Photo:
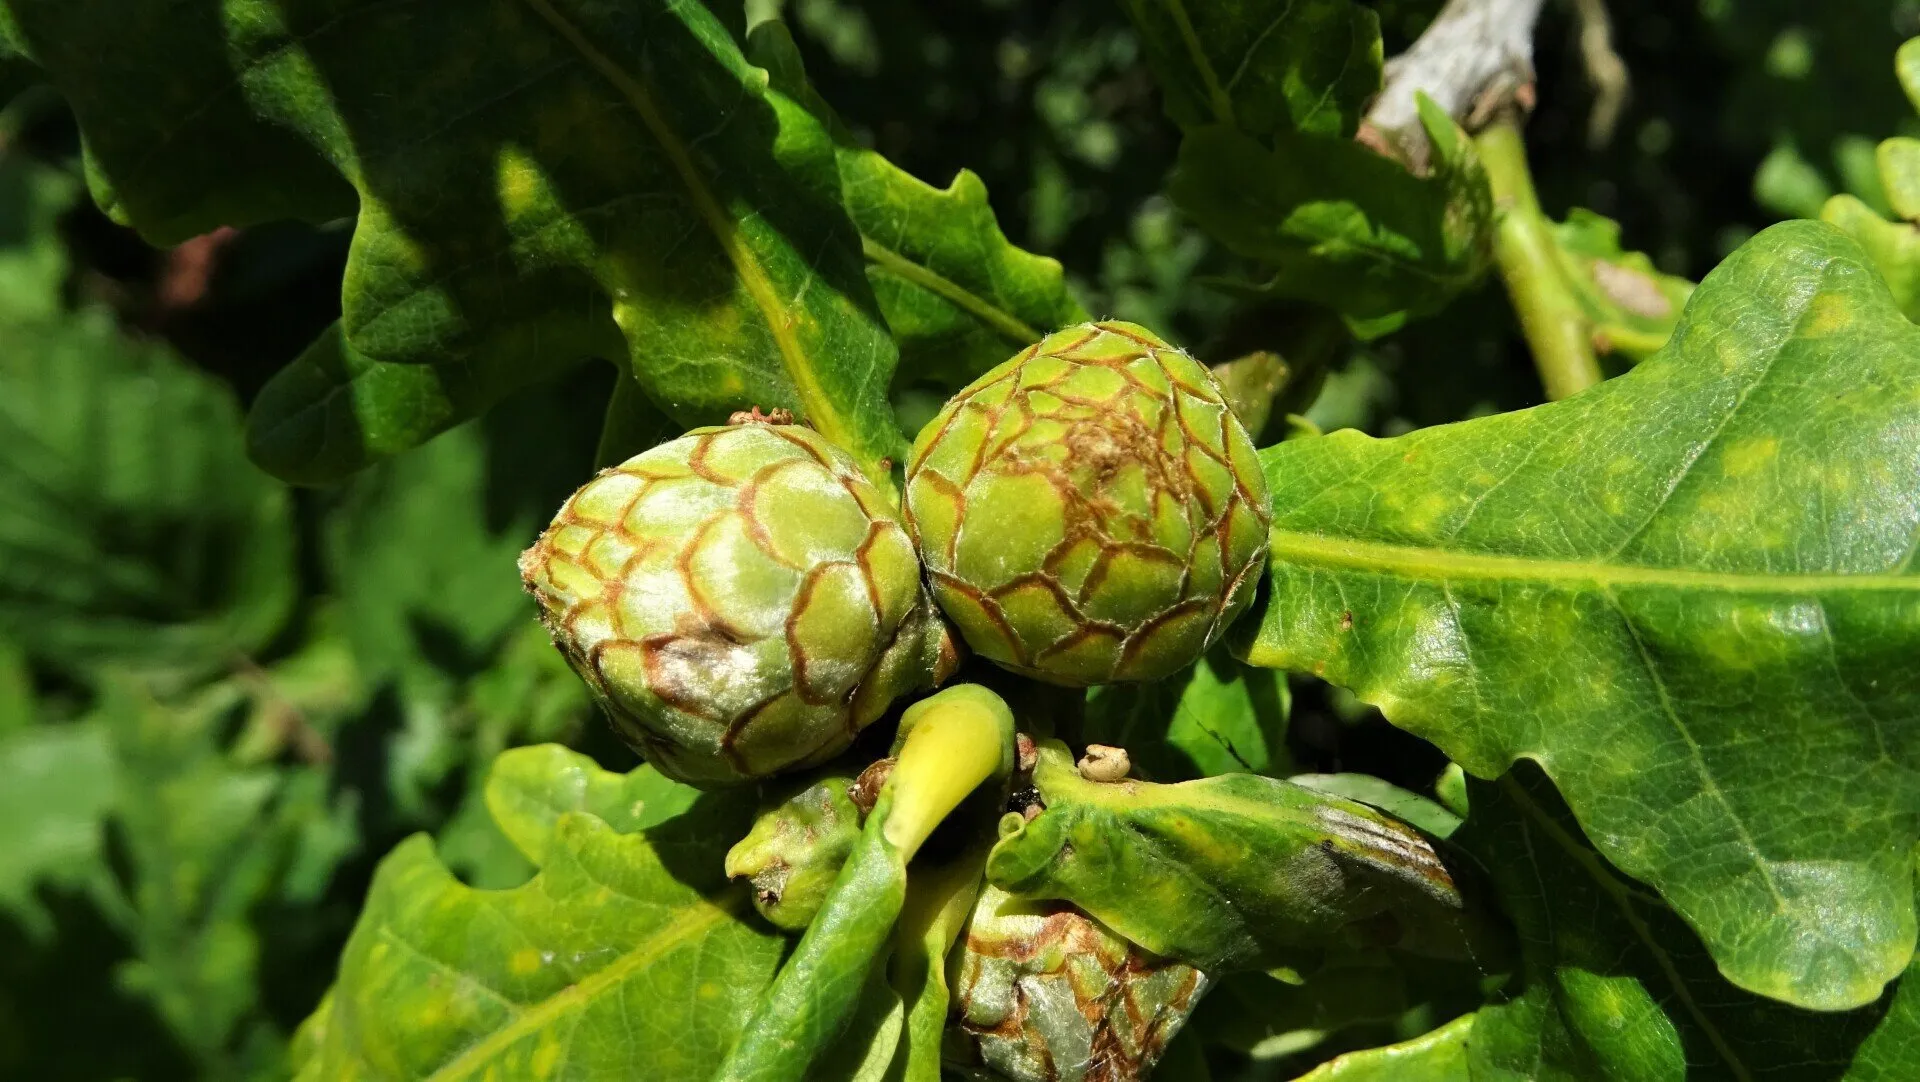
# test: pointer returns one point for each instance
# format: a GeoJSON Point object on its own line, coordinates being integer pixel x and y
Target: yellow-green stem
{"type": "Point", "coordinates": [939, 901]}
{"type": "Point", "coordinates": [955, 740]}
{"type": "Point", "coordinates": [1557, 328]}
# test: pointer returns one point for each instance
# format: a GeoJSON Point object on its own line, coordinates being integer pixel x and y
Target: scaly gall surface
{"type": "Point", "coordinates": [742, 600]}
{"type": "Point", "coordinates": [1045, 994]}
{"type": "Point", "coordinates": [1090, 511]}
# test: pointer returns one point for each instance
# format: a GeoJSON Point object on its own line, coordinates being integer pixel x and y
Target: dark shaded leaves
{"type": "Point", "coordinates": [1614, 986]}
{"type": "Point", "coordinates": [136, 531]}
{"type": "Point", "coordinates": [1214, 717]}
{"type": "Point", "coordinates": [535, 179]}
{"type": "Point", "coordinates": [1263, 66]}
{"type": "Point", "coordinates": [1339, 224]}
{"type": "Point", "coordinates": [957, 295]}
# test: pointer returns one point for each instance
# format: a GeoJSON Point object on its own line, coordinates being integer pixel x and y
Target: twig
{"type": "Point", "coordinates": [286, 721]}
{"type": "Point", "coordinates": [1475, 61]}
{"type": "Point", "coordinates": [1606, 72]}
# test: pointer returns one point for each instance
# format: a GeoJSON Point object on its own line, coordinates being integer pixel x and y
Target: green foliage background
{"type": "Point", "coordinates": [222, 700]}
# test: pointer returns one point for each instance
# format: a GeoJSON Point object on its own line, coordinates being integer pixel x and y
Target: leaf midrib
{"type": "Point", "coordinates": [1431, 564]}
{"type": "Point", "coordinates": [1217, 98]}
{"type": "Point", "coordinates": [819, 406]}
{"type": "Point", "coordinates": [1008, 325]}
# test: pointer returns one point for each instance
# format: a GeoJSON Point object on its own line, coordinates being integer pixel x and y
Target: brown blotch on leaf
{"type": "Point", "coordinates": [1379, 930]}
{"type": "Point", "coordinates": [1633, 290]}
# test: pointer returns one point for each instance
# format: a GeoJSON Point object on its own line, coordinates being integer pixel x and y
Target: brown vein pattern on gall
{"type": "Point", "coordinates": [1090, 511]}
{"type": "Point", "coordinates": [741, 600]}
{"type": "Point", "coordinates": [1046, 994]}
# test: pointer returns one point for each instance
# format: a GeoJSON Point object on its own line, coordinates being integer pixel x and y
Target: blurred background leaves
{"type": "Point", "coordinates": [204, 750]}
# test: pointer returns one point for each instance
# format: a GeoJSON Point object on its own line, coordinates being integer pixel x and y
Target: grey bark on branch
{"type": "Point", "coordinates": [1475, 61]}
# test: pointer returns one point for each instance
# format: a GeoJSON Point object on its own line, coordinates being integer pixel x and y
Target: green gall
{"type": "Point", "coordinates": [1090, 511]}
{"type": "Point", "coordinates": [796, 848]}
{"type": "Point", "coordinates": [742, 600]}
{"type": "Point", "coordinates": [1046, 994]}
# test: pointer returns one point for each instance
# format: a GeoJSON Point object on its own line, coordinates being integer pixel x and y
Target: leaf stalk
{"type": "Point", "coordinates": [1555, 325]}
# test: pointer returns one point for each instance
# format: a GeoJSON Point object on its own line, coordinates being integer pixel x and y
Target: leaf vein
{"type": "Point", "coordinates": [1216, 97]}
{"type": "Point", "coordinates": [676, 932]}
{"type": "Point", "coordinates": [1430, 564]}
{"type": "Point", "coordinates": [1246, 58]}
{"type": "Point", "coordinates": [1701, 449]}
{"type": "Point", "coordinates": [1710, 784]}
{"type": "Point", "coordinates": [1008, 325]}
{"type": "Point", "coordinates": [464, 978]}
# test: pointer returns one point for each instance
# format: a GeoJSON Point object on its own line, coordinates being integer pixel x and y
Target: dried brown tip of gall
{"type": "Point", "coordinates": [529, 563]}
{"type": "Point", "coordinates": [770, 883]}
{"type": "Point", "coordinates": [779, 415]}
{"type": "Point", "coordinates": [865, 790]}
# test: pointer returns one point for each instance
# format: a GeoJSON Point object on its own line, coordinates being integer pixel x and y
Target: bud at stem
{"type": "Point", "coordinates": [954, 741]}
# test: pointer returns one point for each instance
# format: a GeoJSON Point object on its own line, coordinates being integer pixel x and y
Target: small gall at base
{"type": "Point", "coordinates": [1103, 763]}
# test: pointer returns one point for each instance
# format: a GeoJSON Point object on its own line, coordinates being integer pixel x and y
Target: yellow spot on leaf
{"type": "Point", "coordinates": [1750, 455]}
{"type": "Point", "coordinates": [545, 1058]}
{"type": "Point", "coordinates": [1428, 509]}
{"type": "Point", "coordinates": [1831, 313]}
{"type": "Point", "coordinates": [519, 181]}
{"type": "Point", "coordinates": [525, 960]}
{"type": "Point", "coordinates": [1727, 646]}
{"type": "Point", "coordinates": [1730, 353]}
